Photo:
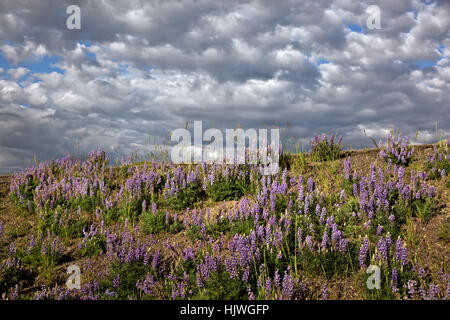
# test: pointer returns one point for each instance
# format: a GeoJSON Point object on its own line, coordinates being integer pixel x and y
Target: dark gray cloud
{"type": "Point", "coordinates": [139, 67]}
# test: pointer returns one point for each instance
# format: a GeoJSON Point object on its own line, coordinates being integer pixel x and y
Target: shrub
{"type": "Point", "coordinates": [397, 149]}
{"type": "Point", "coordinates": [324, 148]}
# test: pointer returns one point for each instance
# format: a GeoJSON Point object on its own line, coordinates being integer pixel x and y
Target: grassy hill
{"type": "Point", "coordinates": [165, 231]}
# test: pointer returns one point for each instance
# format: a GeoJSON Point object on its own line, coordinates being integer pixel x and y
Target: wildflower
{"type": "Point", "coordinates": [12, 249]}
{"type": "Point", "coordinates": [433, 292]}
{"type": "Point", "coordinates": [401, 252]}
{"type": "Point", "coordinates": [363, 251]}
{"type": "Point", "coordinates": [299, 236]}
{"type": "Point", "coordinates": [325, 240]}
{"type": "Point", "coordinates": [431, 192]}
{"type": "Point", "coordinates": [382, 249]}
{"type": "Point", "coordinates": [379, 230]}
{"type": "Point", "coordinates": [288, 286]}
{"type": "Point", "coordinates": [251, 295]}
{"type": "Point", "coordinates": [324, 293]}
{"type": "Point", "coordinates": [268, 287]}
{"type": "Point", "coordinates": [342, 195]}
{"type": "Point", "coordinates": [391, 218]}
{"type": "Point", "coordinates": [411, 286]}
{"type": "Point", "coordinates": [276, 279]}
{"type": "Point", "coordinates": [246, 274]}
{"type": "Point", "coordinates": [342, 247]}
{"type": "Point", "coordinates": [394, 283]}
{"type": "Point", "coordinates": [311, 185]}
{"type": "Point", "coordinates": [116, 281]}
{"type": "Point", "coordinates": [309, 242]}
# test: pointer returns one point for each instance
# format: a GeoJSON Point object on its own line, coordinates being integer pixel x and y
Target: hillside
{"type": "Point", "coordinates": [162, 231]}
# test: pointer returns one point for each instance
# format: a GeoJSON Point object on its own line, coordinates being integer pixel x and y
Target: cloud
{"type": "Point", "coordinates": [139, 67]}
{"type": "Point", "coordinates": [17, 73]}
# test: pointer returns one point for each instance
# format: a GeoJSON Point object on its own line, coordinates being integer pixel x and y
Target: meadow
{"type": "Point", "coordinates": [156, 230]}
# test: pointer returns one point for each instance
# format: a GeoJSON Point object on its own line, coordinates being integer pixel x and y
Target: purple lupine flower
{"type": "Point", "coordinates": [12, 249]}
{"type": "Point", "coordinates": [154, 208]}
{"type": "Point", "coordinates": [379, 230]}
{"type": "Point", "coordinates": [246, 274]}
{"type": "Point", "coordinates": [276, 279]}
{"type": "Point", "coordinates": [324, 244]}
{"type": "Point", "coordinates": [411, 286]}
{"type": "Point", "coordinates": [251, 295]}
{"type": "Point", "coordinates": [335, 233]}
{"type": "Point", "coordinates": [311, 228]}
{"type": "Point", "coordinates": [299, 236]}
{"type": "Point", "coordinates": [363, 251]}
{"type": "Point", "coordinates": [155, 259]}
{"type": "Point", "coordinates": [394, 283]}
{"type": "Point", "coordinates": [268, 287]}
{"type": "Point", "coordinates": [433, 292]}
{"type": "Point", "coordinates": [116, 281]}
{"type": "Point", "coordinates": [400, 173]}
{"type": "Point", "coordinates": [391, 218]}
{"type": "Point", "coordinates": [401, 252]}
{"type": "Point", "coordinates": [288, 286]}
{"type": "Point", "coordinates": [324, 292]}
{"type": "Point", "coordinates": [309, 242]}
{"type": "Point", "coordinates": [322, 215]}
{"type": "Point", "coordinates": [347, 167]}
{"type": "Point", "coordinates": [144, 206]}
{"type": "Point", "coordinates": [388, 240]}
{"type": "Point", "coordinates": [167, 217]}
{"type": "Point", "coordinates": [342, 195]}
{"type": "Point", "coordinates": [382, 249]}
{"type": "Point", "coordinates": [431, 192]}
{"type": "Point", "coordinates": [306, 210]}
{"type": "Point", "coordinates": [342, 247]}
{"type": "Point", "coordinates": [300, 193]}
{"type": "Point", "coordinates": [311, 185]}
{"type": "Point", "coordinates": [405, 191]}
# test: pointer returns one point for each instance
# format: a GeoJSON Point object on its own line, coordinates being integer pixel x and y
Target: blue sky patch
{"type": "Point", "coordinates": [422, 64]}
{"type": "Point", "coordinates": [355, 28]}
{"type": "Point", "coordinates": [42, 65]}
{"type": "Point", "coordinates": [35, 65]}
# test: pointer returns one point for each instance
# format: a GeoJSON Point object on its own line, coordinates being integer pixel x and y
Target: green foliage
{"type": "Point", "coordinates": [186, 197]}
{"type": "Point", "coordinates": [325, 150]}
{"type": "Point", "coordinates": [328, 263]}
{"type": "Point", "coordinates": [444, 232]}
{"type": "Point", "coordinates": [155, 223]}
{"type": "Point", "coordinates": [129, 274]}
{"type": "Point", "coordinates": [74, 229]}
{"type": "Point", "coordinates": [94, 246]}
{"type": "Point", "coordinates": [221, 287]}
{"type": "Point", "coordinates": [425, 209]}
{"type": "Point", "coordinates": [225, 189]}
{"type": "Point", "coordinates": [12, 275]}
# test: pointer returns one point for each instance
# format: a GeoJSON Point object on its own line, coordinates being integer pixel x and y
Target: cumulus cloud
{"type": "Point", "coordinates": [17, 73]}
{"type": "Point", "coordinates": [139, 67]}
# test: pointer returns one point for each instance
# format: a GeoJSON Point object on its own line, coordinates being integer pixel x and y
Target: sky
{"type": "Point", "coordinates": [146, 67]}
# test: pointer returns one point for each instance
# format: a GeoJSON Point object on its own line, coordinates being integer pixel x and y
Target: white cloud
{"type": "Point", "coordinates": [17, 73]}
